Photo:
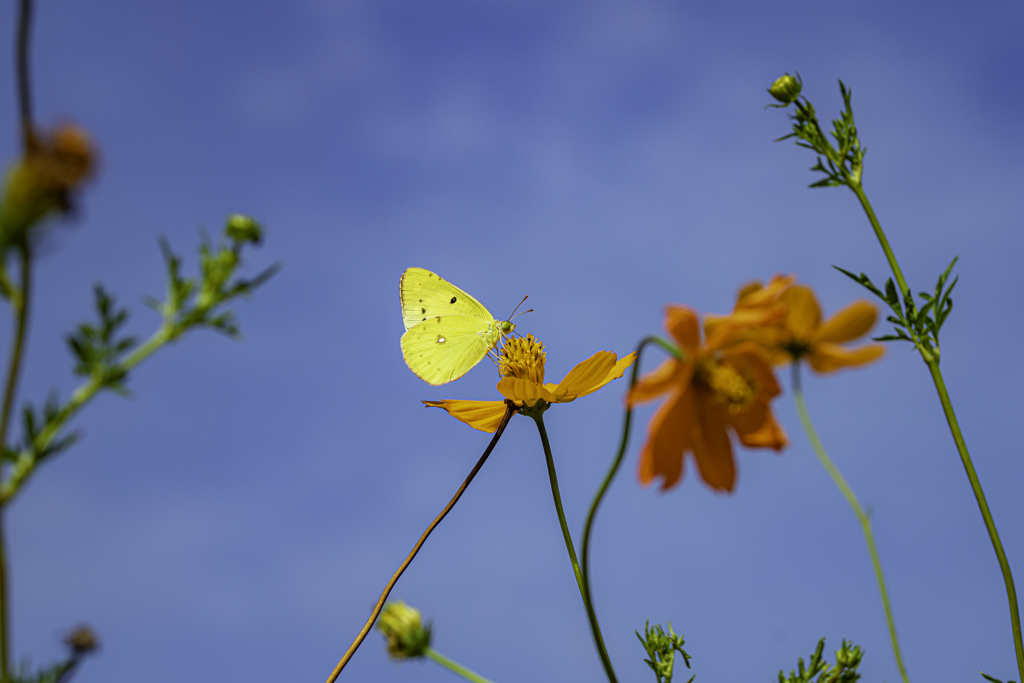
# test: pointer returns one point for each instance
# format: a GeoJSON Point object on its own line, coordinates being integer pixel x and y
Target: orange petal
{"type": "Point", "coordinates": [669, 374]}
{"type": "Point", "coordinates": [724, 330]}
{"type": "Point", "coordinates": [712, 447]}
{"type": "Point", "coordinates": [683, 323]}
{"type": "Point", "coordinates": [524, 391]}
{"type": "Point", "coordinates": [669, 435]}
{"type": "Point", "coordinates": [853, 322]}
{"type": "Point", "coordinates": [803, 313]}
{"type": "Point", "coordinates": [826, 357]}
{"type": "Point", "coordinates": [754, 295]}
{"type": "Point", "coordinates": [482, 415]}
{"type": "Point", "coordinates": [757, 428]}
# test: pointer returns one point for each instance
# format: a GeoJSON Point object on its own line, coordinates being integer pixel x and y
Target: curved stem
{"type": "Point", "coordinates": [509, 412]}
{"type": "Point", "coordinates": [613, 470]}
{"type": "Point", "coordinates": [594, 627]}
{"type": "Point", "coordinates": [986, 514]}
{"type": "Point", "coordinates": [13, 372]}
{"type": "Point", "coordinates": [455, 666]}
{"type": "Point", "coordinates": [851, 498]}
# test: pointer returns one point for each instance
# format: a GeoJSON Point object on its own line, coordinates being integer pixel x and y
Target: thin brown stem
{"type": "Point", "coordinates": [22, 61]}
{"type": "Point", "coordinates": [510, 410]}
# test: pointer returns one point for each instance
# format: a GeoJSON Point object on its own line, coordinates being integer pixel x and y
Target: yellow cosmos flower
{"type": "Point", "coordinates": [717, 388]}
{"type": "Point", "coordinates": [802, 334]}
{"type": "Point", "coordinates": [521, 366]}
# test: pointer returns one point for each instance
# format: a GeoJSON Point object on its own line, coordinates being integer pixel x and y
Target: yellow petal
{"type": "Point", "coordinates": [523, 391]}
{"type": "Point", "coordinates": [853, 322]}
{"type": "Point", "coordinates": [831, 357]}
{"type": "Point", "coordinates": [803, 313]}
{"type": "Point", "coordinates": [669, 436]}
{"type": "Point", "coordinates": [586, 373]}
{"type": "Point", "coordinates": [592, 374]}
{"type": "Point", "coordinates": [482, 415]}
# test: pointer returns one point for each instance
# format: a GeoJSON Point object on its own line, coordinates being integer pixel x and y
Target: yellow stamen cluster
{"type": "Point", "coordinates": [731, 388]}
{"type": "Point", "coordinates": [523, 358]}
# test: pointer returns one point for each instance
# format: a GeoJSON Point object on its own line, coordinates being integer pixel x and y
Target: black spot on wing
{"type": "Point", "coordinates": [423, 310]}
{"type": "Point", "coordinates": [452, 301]}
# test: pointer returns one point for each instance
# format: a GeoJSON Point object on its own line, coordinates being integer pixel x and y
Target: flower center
{"type": "Point", "coordinates": [732, 389]}
{"type": "Point", "coordinates": [523, 358]}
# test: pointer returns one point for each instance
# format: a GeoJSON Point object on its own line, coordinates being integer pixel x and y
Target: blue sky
{"type": "Point", "coordinates": [238, 516]}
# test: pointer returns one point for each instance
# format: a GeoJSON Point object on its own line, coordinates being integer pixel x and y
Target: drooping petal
{"type": "Point", "coordinates": [524, 391]}
{"type": "Point", "coordinates": [712, 447]}
{"type": "Point", "coordinates": [482, 415]}
{"type": "Point", "coordinates": [669, 374]}
{"type": "Point", "coordinates": [683, 323]}
{"type": "Point", "coordinates": [825, 357]}
{"type": "Point", "coordinates": [752, 360]}
{"type": "Point", "coordinates": [759, 429]}
{"type": "Point", "coordinates": [853, 322]}
{"type": "Point", "coordinates": [669, 436]}
{"type": "Point", "coordinates": [804, 314]}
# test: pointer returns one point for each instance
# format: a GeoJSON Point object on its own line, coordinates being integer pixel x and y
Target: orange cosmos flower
{"type": "Point", "coordinates": [719, 386]}
{"type": "Point", "coordinates": [802, 334]}
{"type": "Point", "coordinates": [521, 366]}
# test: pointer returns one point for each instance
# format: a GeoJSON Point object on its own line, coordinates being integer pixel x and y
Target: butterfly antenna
{"type": "Point", "coordinates": [517, 308]}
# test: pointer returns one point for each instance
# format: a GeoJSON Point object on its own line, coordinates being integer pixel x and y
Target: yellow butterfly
{"type": "Point", "coordinates": [447, 330]}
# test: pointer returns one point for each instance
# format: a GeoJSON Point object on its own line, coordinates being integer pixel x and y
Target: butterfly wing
{"type": "Point", "coordinates": [427, 295]}
{"type": "Point", "coordinates": [444, 348]}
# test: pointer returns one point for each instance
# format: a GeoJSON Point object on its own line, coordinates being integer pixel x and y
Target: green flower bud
{"type": "Point", "coordinates": [243, 229]}
{"type": "Point", "coordinates": [401, 625]}
{"type": "Point", "coordinates": [786, 88]}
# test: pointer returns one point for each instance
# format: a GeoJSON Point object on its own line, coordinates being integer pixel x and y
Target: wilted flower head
{"type": "Point", "coordinates": [46, 179]}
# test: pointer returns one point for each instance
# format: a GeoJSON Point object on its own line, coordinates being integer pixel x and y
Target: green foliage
{"type": "Point", "coordinates": [661, 650]}
{"type": "Point", "coordinates": [191, 302]}
{"type": "Point", "coordinates": [844, 670]}
{"type": "Point", "coordinates": [99, 348]}
{"type": "Point", "coordinates": [920, 326]}
{"type": "Point", "coordinates": [105, 356]}
{"type": "Point", "coordinates": [842, 163]}
{"type": "Point", "coordinates": [992, 679]}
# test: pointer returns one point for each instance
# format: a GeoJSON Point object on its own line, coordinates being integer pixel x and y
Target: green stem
{"type": "Point", "coordinates": [961, 446]}
{"type": "Point", "coordinates": [990, 524]}
{"type": "Point", "coordinates": [613, 470]}
{"type": "Point", "coordinates": [455, 666]}
{"type": "Point", "coordinates": [594, 627]}
{"type": "Point", "coordinates": [858, 190]}
{"type": "Point", "coordinates": [851, 498]}
{"type": "Point", "coordinates": [13, 372]}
